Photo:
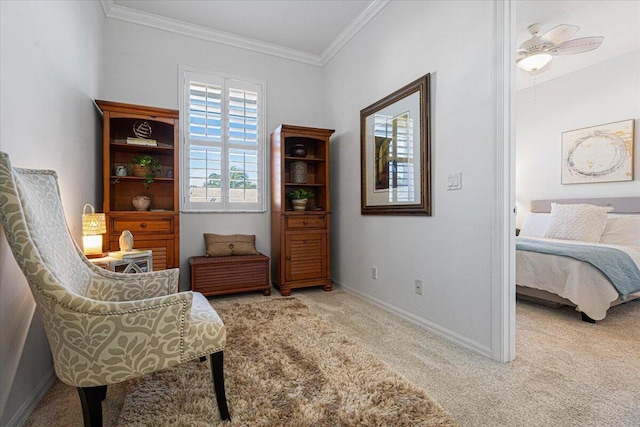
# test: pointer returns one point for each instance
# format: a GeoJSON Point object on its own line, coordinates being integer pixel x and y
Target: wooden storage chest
{"type": "Point", "coordinates": [230, 274]}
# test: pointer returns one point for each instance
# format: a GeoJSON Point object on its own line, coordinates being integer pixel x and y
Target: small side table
{"type": "Point", "coordinates": [129, 262]}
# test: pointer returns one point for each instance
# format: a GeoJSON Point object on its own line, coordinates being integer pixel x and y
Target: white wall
{"type": "Point", "coordinates": [142, 68]}
{"type": "Point", "coordinates": [50, 71]}
{"type": "Point", "coordinates": [603, 93]}
{"type": "Point", "coordinates": [451, 250]}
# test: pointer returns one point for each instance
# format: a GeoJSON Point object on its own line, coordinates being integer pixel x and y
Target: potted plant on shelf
{"type": "Point", "coordinates": [299, 198]}
{"type": "Point", "coordinates": [147, 167]}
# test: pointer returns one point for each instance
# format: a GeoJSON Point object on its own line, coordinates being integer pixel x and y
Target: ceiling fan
{"type": "Point", "coordinates": [534, 55]}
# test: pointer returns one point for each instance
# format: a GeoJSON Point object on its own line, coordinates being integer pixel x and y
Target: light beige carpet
{"type": "Point", "coordinates": [567, 372]}
{"type": "Point", "coordinates": [284, 366]}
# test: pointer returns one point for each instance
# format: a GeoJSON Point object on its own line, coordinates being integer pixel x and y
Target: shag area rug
{"type": "Point", "coordinates": [284, 366]}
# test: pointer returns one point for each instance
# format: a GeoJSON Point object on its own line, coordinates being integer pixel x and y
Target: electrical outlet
{"type": "Point", "coordinates": [418, 287]}
{"type": "Point", "coordinates": [374, 273]}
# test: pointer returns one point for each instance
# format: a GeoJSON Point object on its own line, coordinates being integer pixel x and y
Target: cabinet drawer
{"type": "Point", "coordinates": [305, 222]}
{"type": "Point", "coordinates": [143, 226]}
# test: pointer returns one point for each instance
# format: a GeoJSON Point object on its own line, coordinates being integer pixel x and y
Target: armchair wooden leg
{"type": "Point", "coordinates": [91, 399]}
{"type": "Point", "coordinates": [103, 393]}
{"type": "Point", "coordinates": [217, 371]}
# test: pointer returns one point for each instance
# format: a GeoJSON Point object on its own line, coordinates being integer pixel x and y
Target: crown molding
{"type": "Point", "coordinates": [126, 14]}
{"type": "Point", "coordinates": [358, 23]}
{"type": "Point", "coordinates": [114, 11]}
{"type": "Point", "coordinates": [107, 5]}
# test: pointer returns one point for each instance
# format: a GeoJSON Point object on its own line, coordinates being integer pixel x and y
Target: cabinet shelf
{"type": "Point", "coordinates": [289, 212]}
{"type": "Point", "coordinates": [146, 149]}
{"type": "Point", "coordinates": [304, 159]}
{"type": "Point", "coordinates": [116, 178]}
{"type": "Point", "coordinates": [297, 184]}
{"type": "Point", "coordinates": [142, 214]}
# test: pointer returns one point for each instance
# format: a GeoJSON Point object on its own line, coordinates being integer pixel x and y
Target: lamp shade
{"type": "Point", "coordinates": [534, 62]}
{"type": "Point", "coordinates": [93, 223]}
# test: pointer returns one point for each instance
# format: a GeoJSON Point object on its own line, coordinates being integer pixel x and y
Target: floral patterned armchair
{"type": "Point", "coordinates": [103, 327]}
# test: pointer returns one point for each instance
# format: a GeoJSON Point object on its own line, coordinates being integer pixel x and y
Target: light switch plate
{"type": "Point", "coordinates": [454, 181]}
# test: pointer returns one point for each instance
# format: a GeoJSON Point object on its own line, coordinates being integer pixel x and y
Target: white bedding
{"type": "Point", "coordinates": [578, 281]}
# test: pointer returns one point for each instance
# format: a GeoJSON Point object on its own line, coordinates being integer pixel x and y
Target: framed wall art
{"type": "Point", "coordinates": [395, 153]}
{"type": "Point", "coordinates": [602, 153]}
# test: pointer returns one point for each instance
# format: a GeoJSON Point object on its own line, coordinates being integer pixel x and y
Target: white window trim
{"type": "Point", "coordinates": [187, 206]}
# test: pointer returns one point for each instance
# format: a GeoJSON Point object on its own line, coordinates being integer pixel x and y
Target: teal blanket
{"type": "Point", "coordinates": [617, 265]}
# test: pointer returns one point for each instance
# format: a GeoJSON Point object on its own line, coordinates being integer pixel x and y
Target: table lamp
{"type": "Point", "coordinates": [94, 225]}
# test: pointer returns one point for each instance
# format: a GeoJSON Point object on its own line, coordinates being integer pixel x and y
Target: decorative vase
{"type": "Point", "coordinates": [298, 150]}
{"type": "Point", "coordinates": [121, 170]}
{"type": "Point", "coordinates": [298, 172]}
{"type": "Point", "coordinates": [141, 202]}
{"type": "Point", "coordinates": [126, 241]}
{"type": "Point", "coordinates": [299, 204]}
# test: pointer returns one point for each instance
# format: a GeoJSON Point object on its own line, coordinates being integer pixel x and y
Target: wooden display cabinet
{"type": "Point", "coordinates": [300, 240]}
{"type": "Point", "coordinates": [157, 229]}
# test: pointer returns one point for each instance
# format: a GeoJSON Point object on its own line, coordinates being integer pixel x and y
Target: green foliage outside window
{"type": "Point", "coordinates": [237, 180]}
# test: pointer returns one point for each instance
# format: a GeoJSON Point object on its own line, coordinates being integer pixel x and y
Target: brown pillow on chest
{"type": "Point", "coordinates": [234, 244]}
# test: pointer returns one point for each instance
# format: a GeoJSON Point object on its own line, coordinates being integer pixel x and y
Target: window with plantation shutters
{"type": "Point", "coordinates": [394, 167]}
{"type": "Point", "coordinates": [223, 152]}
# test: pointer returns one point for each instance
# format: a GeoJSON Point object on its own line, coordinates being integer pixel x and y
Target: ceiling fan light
{"type": "Point", "coordinates": [534, 62]}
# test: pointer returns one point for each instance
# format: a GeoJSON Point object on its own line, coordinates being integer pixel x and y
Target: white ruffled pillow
{"type": "Point", "coordinates": [577, 222]}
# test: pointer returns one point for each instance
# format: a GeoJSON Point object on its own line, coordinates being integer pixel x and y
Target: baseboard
{"type": "Point", "coordinates": [20, 417]}
{"type": "Point", "coordinates": [430, 326]}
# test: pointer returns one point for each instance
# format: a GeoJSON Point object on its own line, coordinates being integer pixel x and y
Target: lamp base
{"type": "Point", "coordinates": [92, 246]}
{"type": "Point", "coordinates": [100, 255]}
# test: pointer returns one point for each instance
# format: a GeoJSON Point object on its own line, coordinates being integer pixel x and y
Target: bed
{"type": "Point", "coordinates": [544, 276]}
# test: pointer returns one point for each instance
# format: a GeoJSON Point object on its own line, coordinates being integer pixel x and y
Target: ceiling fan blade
{"type": "Point", "coordinates": [545, 68]}
{"type": "Point", "coordinates": [560, 34]}
{"type": "Point", "coordinates": [583, 44]}
{"type": "Point", "coordinates": [521, 53]}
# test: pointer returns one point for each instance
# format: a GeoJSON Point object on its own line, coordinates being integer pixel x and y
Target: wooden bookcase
{"type": "Point", "coordinates": [300, 240]}
{"type": "Point", "coordinates": [157, 229]}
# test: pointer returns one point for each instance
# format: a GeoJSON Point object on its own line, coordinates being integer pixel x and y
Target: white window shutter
{"type": "Point", "coordinates": [223, 156]}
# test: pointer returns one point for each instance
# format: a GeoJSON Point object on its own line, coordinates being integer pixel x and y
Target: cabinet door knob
{"type": "Point", "coordinates": [305, 222]}
{"type": "Point", "coordinates": [288, 258]}
{"type": "Point", "coordinates": [143, 225]}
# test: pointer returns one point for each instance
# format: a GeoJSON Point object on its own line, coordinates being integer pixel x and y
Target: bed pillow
{"type": "Point", "coordinates": [622, 230]}
{"type": "Point", "coordinates": [534, 224]}
{"type": "Point", "coordinates": [577, 222]}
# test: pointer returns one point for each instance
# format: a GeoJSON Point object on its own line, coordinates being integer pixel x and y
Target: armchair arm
{"type": "Point", "coordinates": [94, 307]}
{"type": "Point", "coordinates": [97, 343]}
{"type": "Point", "coordinates": [109, 286]}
